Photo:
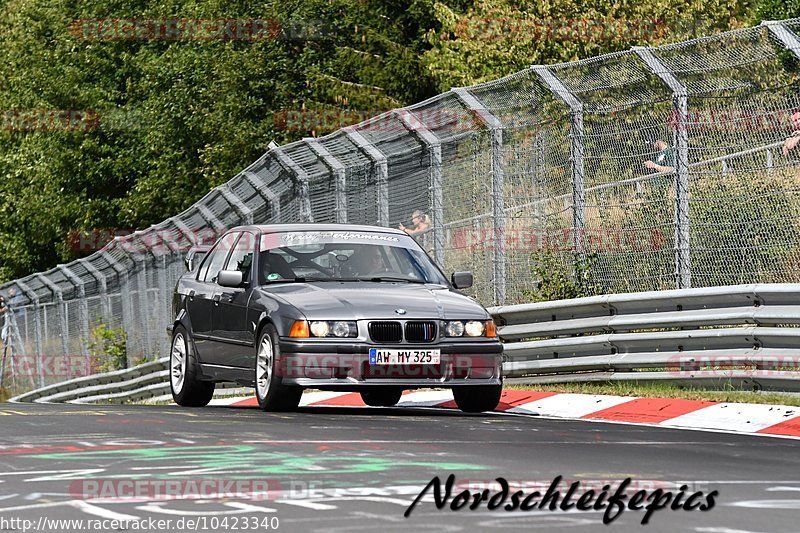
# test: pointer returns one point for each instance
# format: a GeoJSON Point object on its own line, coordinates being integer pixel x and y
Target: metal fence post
{"type": "Point", "coordinates": [244, 212]}
{"type": "Point", "coordinates": [162, 306]}
{"type": "Point", "coordinates": [185, 230]}
{"type": "Point", "coordinates": [122, 275]}
{"type": "Point", "coordinates": [37, 325]}
{"type": "Point", "coordinates": [101, 280]}
{"type": "Point", "coordinates": [558, 88]}
{"type": "Point", "coordinates": [495, 127]}
{"type": "Point", "coordinates": [306, 214]}
{"type": "Point", "coordinates": [216, 224]}
{"type": "Point", "coordinates": [416, 127]}
{"type": "Point", "coordinates": [63, 327]}
{"type": "Point", "coordinates": [680, 103]}
{"type": "Point", "coordinates": [141, 281]}
{"type": "Point", "coordinates": [339, 176]}
{"type": "Point", "coordinates": [381, 168]}
{"type": "Point", "coordinates": [83, 307]}
{"type": "Point", "coordinates": [266, 193]}
{"type": "Point", "coordinates": [786, 36]}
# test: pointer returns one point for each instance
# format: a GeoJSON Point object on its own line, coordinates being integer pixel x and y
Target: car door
{"type": "Point", "coordinates": [235, 337]}
{"type": "Point", "coordinates": [201, 303]}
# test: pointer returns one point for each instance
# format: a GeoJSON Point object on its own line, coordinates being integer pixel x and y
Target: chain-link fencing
{"type": "Point", "coordinates": [649, 169]}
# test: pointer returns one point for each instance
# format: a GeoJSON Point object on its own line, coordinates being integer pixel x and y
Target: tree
{"type": "Point", "coordinates": [494, 38]}
{"type": "Point", "coordinates": [122, 133]}
{"type": "Point", "coordinates": [778, 9]}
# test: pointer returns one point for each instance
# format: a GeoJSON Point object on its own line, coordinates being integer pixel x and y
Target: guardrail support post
{"type": "Point", "coordinates": [683, 262]}
{"type": "Point", "coordinates": [339, 176]}
{"type": "Point", "coordinates": [417, 128]}
{"type": "Point", "coordinates": [306, 214]}
{"type": "Point", "coordinates": [381, 168]}
{"type": "Point", "coordinates": [495, 126]}
{"type": "Point", "coordinates": [561, 91]}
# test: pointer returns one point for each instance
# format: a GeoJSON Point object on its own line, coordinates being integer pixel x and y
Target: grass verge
{"type": "Point", "coordinates": [665, 390]}
{"type": "Point", "coordinates": [3, 395]}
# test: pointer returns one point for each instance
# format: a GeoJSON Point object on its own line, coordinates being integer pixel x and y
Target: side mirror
{"type": "Point", "coordinates": [461, 280]}
{"type": "Point", "coordinates": [230, 278]}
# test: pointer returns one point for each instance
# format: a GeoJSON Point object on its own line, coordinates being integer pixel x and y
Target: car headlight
{"type": "Point", "coordinates": [344, 329]}
{"type": "Point", "coordinates": [337, 328]}
{"type": "Point", "coordinates": [454, 329]}
{"type": "Point", "coordinates": [470, 328]}
{"type": "Point", "coordinates": [320, 329]}
{"type": "Point", "coordinates": [473, 328]}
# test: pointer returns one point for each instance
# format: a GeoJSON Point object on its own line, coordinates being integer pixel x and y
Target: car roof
{"type": "Point", "coordinates": [283, 228]}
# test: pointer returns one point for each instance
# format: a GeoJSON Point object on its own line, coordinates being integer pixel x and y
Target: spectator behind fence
{"type": "Point", "coordinates": [14, 301]}
{"type": "Point", "coordinates": [3, 319]}
{"type": "Point", "coordinates": [664, 161]}
{"type": "Point", "coordinates": [793, 140]}
{"type": "Point", "coordinates": [421, 223]}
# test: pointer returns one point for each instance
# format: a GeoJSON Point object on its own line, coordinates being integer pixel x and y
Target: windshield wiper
{"type": "Point", "coordinates": [392, 278]}
{"type": "Point", "coordinates": [286, 280]}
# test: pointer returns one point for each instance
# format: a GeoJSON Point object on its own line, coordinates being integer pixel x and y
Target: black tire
{"type": "Point", "coordinates": [477, 398]}
{"type": "Point", "coordinates": [272, 395]}
{"type": "Point", "coordinates": [382, 397]}
{"type": "Point", "coordinates": [187, 390]}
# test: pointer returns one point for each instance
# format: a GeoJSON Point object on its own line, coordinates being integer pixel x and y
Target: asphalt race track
{"type": "Point", "coordinates": [357, 469]}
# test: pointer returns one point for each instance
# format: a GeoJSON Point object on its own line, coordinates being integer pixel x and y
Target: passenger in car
{"type": "Point", "coordinates": [273, 265]}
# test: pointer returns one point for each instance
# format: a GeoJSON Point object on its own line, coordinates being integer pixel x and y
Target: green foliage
{"type": "Point", "coordinates": [494, 38]}
{"type": "Point", "coordinates": [169, 119]}
{"type": "Point", "coordinates": [742, 229]}
{"type": "Point", "coordinates": [778, 9]}
{"type": "Point", "coordinates": [556, 280]}
{"type": "Point", "coordinates": [108, 348]}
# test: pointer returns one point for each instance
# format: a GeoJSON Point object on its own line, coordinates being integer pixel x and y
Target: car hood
{"type": "Point", "coordinates": [376, 300]}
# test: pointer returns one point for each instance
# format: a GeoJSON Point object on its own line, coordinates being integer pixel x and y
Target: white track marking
{"type": "Point", "coordinates": [308, 504]}
{"type": "Point", "coordinates": [88, 508]}
{"type": "Point", "coordinates": [320, 396]}
{"type": "Point", "coordinates": [739, 417]}
{"type": "Point", "coordinates": [571, 405]}
{"type": "Point", "coordinates": [425, 398]}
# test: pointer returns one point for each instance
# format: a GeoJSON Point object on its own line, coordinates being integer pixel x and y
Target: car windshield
{"type": "Point", "coordinates": [344, 256]}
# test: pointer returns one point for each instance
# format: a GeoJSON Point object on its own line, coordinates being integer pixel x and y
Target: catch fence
{"type": "Point", "coordinates": [531, 180]}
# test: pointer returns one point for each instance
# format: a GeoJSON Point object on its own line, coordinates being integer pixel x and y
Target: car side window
{"type": "Point", "coordinates": [216, 258]}
{"type": "Point", "coordinates": [241, 258]}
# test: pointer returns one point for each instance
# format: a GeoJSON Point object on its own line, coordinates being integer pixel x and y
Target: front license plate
{"type": "Point", "coordinates": [390, 356]}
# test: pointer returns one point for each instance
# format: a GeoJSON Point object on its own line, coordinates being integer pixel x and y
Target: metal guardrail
{"type": "Point", "coordinates": [120, 381]}
{"type": "Point", "coordinates": [744, 335]}
{"type": "Point", "coordinates": [747, 336]}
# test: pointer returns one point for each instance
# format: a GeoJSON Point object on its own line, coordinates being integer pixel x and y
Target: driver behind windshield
{"type": "Point", "coordinates": [367, 261]}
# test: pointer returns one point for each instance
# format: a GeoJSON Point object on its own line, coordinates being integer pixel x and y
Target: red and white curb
{"type": "Point", "coordinates": [757, 419]}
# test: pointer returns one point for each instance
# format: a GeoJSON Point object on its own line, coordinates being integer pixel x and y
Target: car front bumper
{"type": "Point", "coordinates": [344, 365]}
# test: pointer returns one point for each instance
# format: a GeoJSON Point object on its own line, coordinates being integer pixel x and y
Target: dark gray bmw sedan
{"type": "Point", "coordinates": [333, 307]}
